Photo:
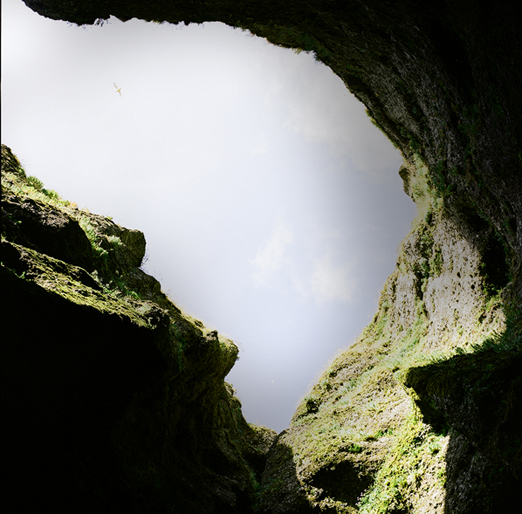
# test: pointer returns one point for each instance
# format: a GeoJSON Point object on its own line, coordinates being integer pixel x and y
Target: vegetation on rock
{"type": "Point", "coordinates": [359, 442]}
{"type": "Point", "coordinates": [115, 398]}
{"type": "Point", "coordinates": [420, 414]}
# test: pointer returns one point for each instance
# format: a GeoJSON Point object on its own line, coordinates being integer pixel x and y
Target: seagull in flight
{"type": "Point", "coordinates": [118, 89]}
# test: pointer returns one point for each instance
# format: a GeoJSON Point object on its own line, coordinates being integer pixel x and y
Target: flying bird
{"type": "Point", "coordinates": [118, 89]}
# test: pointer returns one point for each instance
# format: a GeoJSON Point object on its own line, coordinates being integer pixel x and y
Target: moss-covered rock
{"type": "Point", "coordinates": [443, 83]}
{"type": "Point", "coordinates": [358, 443]}
{"type": "Point", "coordinates": [113, 399]}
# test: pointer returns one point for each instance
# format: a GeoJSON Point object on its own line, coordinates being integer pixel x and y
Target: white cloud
{"type": "Point", "coordinates": [271, 257]}
{"type": "Point", "coordinates": [261, 147]}
{"type": "Point", "coordinates": [318, 277]}
{"type": "Point", "coordinates": [328, 282]}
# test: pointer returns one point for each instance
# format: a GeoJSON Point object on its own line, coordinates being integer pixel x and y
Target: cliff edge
{"type": "Point", "coordinates": [113, 399]}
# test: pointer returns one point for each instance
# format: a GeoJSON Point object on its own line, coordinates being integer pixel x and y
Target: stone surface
{"type": "Point", "coordinates": [113, 399]}
{"type": "Point", "coordinates": [379, 432]}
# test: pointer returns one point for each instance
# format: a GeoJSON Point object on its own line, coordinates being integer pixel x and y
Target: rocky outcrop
{"type": "Point", "coordinates": [113, 399]}
{"type": "Point", "coordinates": [398, 422]}
{"type": "Point", "coordinates": [395, 424]}
{"type": "Point", "coordinates": [479, 396]}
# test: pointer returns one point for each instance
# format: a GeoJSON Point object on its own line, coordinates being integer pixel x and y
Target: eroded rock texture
{"type": "Point", "coordinates": [382, 431]}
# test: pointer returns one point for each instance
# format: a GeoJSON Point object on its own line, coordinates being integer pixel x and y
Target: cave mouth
{"type": "Point", "coordinates": [456, 112]}
{"type": "Point", "coordinates": [299, 195]}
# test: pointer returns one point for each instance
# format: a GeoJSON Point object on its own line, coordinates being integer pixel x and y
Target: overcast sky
{"type": "Point", "coordinates": [271, 206]}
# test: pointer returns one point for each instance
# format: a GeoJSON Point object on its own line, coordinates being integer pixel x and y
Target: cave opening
{"type": "Point", "coordinates": [444, 84]}
{"type": "Point", "coordinates": [264, 252]}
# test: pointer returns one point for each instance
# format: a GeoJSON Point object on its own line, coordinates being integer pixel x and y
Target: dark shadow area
{"type": "Point", "coordinates": [478, 397]}
{"type": "Point", "coordinates": [68, 373]}
{"type": "Point", "coordinates": [344, 482]}
{"type": "Point", "coordinates": [281, 492]}
{"type": "Point", "coordinates": [88, 424]}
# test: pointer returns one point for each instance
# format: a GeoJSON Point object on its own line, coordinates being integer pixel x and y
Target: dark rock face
{"type": "Point", "coordinates": [282, 492]}
{"type": "Point", "coordinates": [112, 399]}
{"type": "Point", "coordinates": [480, 397]}
{"type": "Point", "coordinates": [443, 81]}
{"type": "Point", "coordinates": [463, 391]}
{"type": "Point", "coordinates": [53, 233]}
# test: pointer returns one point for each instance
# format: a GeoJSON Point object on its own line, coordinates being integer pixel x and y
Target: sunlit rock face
{"type": "Point", "coordinates": [382, 431]}
{"type": "Point", "coordinates": [398, 422]}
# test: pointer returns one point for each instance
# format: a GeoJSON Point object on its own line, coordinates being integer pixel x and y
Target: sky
{"type": "Point", "coordinates": [272, 207]}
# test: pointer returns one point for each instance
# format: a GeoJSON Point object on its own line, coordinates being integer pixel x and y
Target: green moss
{"type": "Point", "coordinates": [413, 458]}
{"type": "Point", "coordinates": [15, 181]}
{"type": "Point", "coordinates": [93, 236]}
{"type": "Point", "coordinates": [35, 183]}
{"type": "Point", "coordinates": [58, 278]}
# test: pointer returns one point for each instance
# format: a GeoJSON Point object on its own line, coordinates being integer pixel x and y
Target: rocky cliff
{"type": "Point", "coordinates": [113, 400]}
{"type": "Point", "coordinates": [420, 415]}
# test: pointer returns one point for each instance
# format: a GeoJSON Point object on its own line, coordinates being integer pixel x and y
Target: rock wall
{"type": "Point", "coordinates": [420, 414]}
{"type": "Point", "coordinates": [422, 407]}
{"type": "Point", "coordinates": [113, 399]}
